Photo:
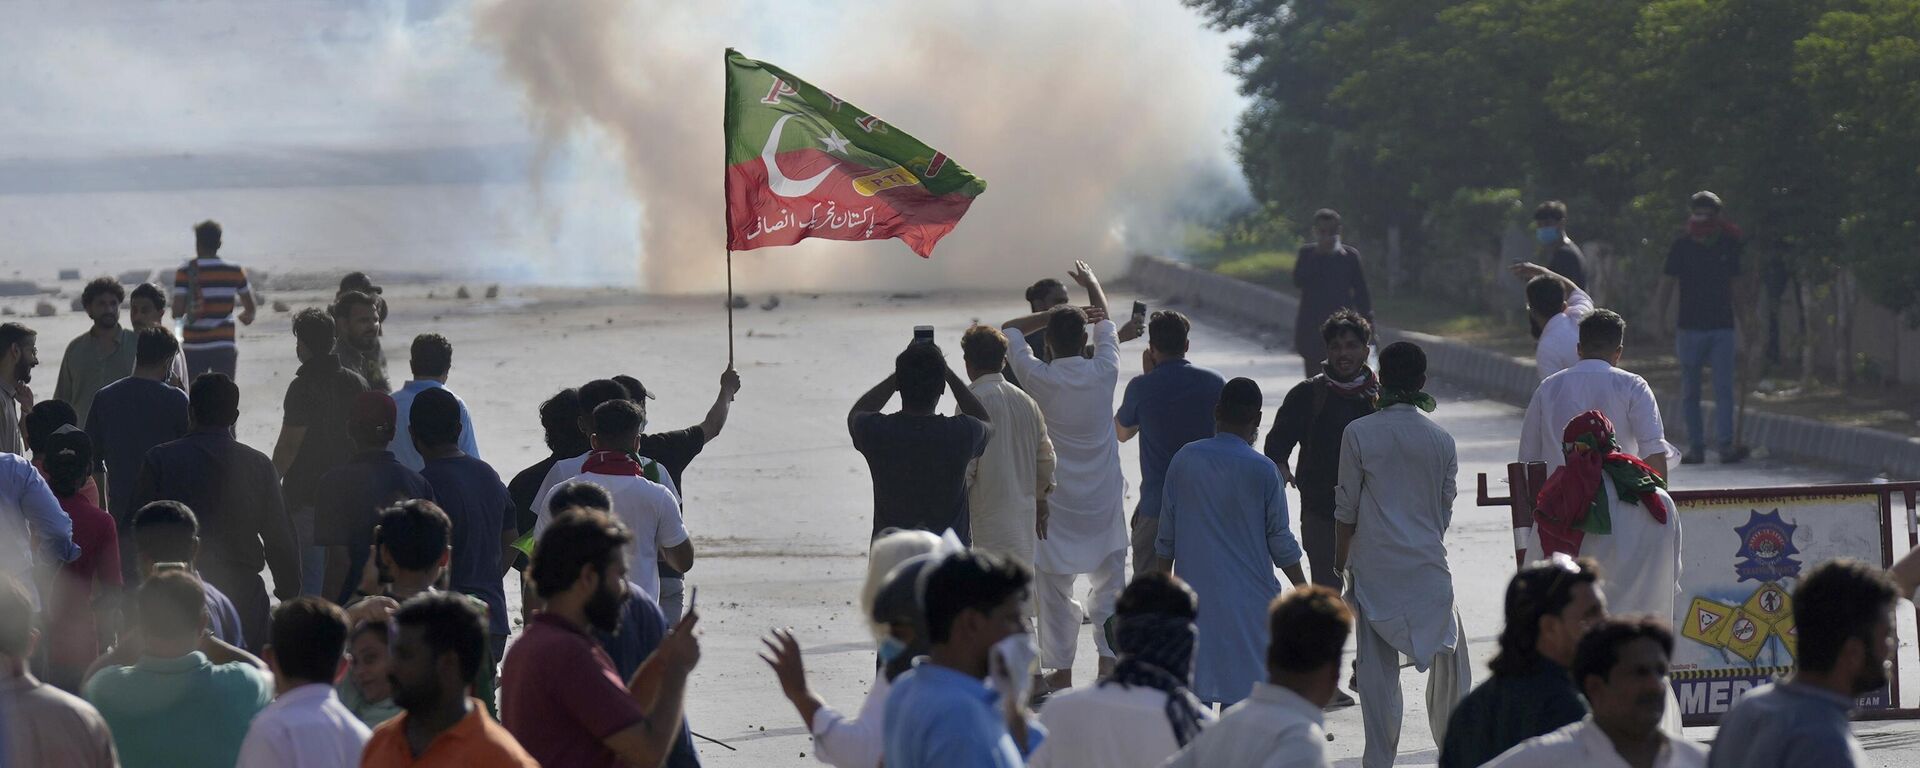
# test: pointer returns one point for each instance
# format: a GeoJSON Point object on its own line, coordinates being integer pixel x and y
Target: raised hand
{"type": "Point", "coordinates": [1083, 274]}
{"type": "Point", "coordinates": [783, 655]}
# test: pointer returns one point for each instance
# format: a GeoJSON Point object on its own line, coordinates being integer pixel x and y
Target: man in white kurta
{"type": "Point", "coordinates": [1007, 485]}
{"type": "Point", "coordinates": [1557, 306]}
{"type": "Point", "coordinates": [1086, 525]}
{"type": "Point", "coordinates": [1392, 507]}
{"type": "Point", "coordinates": [1596, 383]}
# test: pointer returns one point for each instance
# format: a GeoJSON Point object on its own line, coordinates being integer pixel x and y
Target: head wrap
{"type": "Point", "coordinates": [1574, 501]}
{"type": "Point", "coordinates": [1714, 226]}
{"type": "Point", "coordinates": [1413, 397]}
{"type": "Point", "coordinates": [1156, 651]}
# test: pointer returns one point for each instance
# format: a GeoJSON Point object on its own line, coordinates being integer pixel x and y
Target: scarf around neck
{"type": "Point", "coordinates": [1156, 651]}
{"type": "Point", "coordinates": [1415, 398]}
{"type": "Point", "coordinates": [1365, 386]}
{"type": "Point", "coordinates": [1575, 501]}
{"type": "Point", "coordinates": [616, 463]}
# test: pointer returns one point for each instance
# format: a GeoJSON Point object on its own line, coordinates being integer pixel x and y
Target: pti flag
{"type": "Point", "coordinates": [802, 163]}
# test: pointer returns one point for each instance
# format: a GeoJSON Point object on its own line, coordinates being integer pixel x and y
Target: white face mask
{"type": "Point", "coordinates": [1336, 242]}
{"type": "Point", "coordinates": [1010, 665]}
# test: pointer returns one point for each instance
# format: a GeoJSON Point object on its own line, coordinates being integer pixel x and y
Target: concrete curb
{"type": "Point", "coordinates": [1512, 379]}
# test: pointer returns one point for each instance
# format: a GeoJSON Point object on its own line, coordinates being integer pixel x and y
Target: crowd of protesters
{"type": "Point", "coordinates": [135, 531]}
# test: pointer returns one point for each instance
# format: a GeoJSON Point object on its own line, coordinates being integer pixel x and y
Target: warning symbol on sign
{"type": "Point", "coordinates": [1789, 636]}
{"type": "Point", "coordinates": [1746, 636]}
{"type": "Point", "coordinates": [1769, 603]}
{"type": "Point", "coordinates": [1708, 623]}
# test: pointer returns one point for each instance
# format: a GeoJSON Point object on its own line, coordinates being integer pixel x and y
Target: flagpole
{"type": "Point", "coordinates": [729, 309]}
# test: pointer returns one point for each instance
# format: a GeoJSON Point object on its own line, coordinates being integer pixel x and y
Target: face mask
{"type": "Point", "coordinates": [1010, 665]}
{"type": "Point", "coordinates": [1698, 218]}
{"type": "Point", "coordinates": [890, 649]}
{"type": "Point", "coordinates": [1547, 234]}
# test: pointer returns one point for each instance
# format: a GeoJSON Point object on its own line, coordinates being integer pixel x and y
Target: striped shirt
{"type": "Point", "coordinates": [210, 297]}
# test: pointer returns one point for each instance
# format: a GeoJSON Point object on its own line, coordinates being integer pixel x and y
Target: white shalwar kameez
{"type": "Point", "coordinates": [1086, 526]}
{"type": "Point", "coordinates": [1396, 487]}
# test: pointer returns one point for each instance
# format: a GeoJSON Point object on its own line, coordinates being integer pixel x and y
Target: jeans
{"type": "Point", "coordinates": [1712, 348]}
{"type": "Point", "coordinates": [313, 559]}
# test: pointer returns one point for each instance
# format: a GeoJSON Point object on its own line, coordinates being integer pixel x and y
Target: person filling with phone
{"type": "Point", "coordinates": [917, 457]}
{"type": "Point", "coordinates": [964, 703]}
{"type": "Point", "coordinates": [414, 542]}
{"type": "Point", "coordinates": [1169, 405]}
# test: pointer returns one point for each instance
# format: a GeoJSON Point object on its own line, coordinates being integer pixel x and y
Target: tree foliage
{"type": "Point", "coordinates": [1433, 115]}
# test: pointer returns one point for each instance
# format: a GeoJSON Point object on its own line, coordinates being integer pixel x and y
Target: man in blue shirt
{"type": "Point", "coordinates": [431, 360]}
{"type": "Point", "coordinates": [1843, 612]}
{"type": "Point", "coordinates": [1168, 406]}
{"type": "Point", "coordinates": [944, 712]}
{"type": "Point", "coordinates": [358, 491]}
{"type": "Point", "coordinates": [476, 502]}
{"type": "Point", "coordinates": [132, 415]}
{"type": "Point", "coordinates": [1226, 527]}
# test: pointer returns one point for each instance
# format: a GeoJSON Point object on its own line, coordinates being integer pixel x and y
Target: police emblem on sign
{"type": "Point", "coordinates": [1766, 548]}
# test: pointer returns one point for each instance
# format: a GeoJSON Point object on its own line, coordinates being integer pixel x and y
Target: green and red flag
{"type": "Point", "coordinates": [802, 163]}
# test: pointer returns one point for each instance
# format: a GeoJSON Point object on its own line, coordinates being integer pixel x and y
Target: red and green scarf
{"type": "Point", "coordinates": [1575, 501]}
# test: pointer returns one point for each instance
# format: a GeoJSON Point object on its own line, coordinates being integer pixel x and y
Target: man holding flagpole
{"type": "Point", "coordinates": [1086, 526]}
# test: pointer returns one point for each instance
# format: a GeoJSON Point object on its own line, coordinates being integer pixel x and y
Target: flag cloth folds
{"type": "Point", "coordinates": [802, 163]}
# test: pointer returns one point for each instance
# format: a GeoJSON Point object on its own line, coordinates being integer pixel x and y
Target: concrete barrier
{"type": "Point", "coordinates": [1512, 379]}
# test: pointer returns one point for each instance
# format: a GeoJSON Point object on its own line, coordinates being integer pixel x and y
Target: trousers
{"type": "Point", "coordinates": [1711, 349]}
{"type": "Point", "coordinates": [1060, 623]}
{"type": "Point", "coordinates": [1316, 537]}
{"type": "Point", "coordinates": [216, 360]}
{"type": "Point", "coordinates": [1145, 530]}
{"type": "Point", "coordinates": [1448, 679]}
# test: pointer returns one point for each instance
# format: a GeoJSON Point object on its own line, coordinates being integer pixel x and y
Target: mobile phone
{"type": "Point", "coordinates": [923, 333]}
{"type": "Point", "coordinates": [693, 598]}
{"type": "Point", "coordinates": [1139, 309]}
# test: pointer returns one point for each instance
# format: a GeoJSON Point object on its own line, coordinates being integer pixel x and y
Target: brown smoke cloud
{"type": "Point", "coordinates": [1099, 126]}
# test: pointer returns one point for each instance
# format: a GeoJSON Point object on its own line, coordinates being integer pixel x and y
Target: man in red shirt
{"type": "Point", "coordinates": [560, 694]}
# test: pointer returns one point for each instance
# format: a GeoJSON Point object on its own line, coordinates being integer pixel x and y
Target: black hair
{"type": "Point", "coordinates": [68, 461]}
{"type": "Point", "coordinates": [1603, 331]}
{"type": "Point", "coordinates": [617, 420]}
{"type": "Point", "coordinates": [1328, 215]}
{"type": "Point", "coordinates": [1239, 403]}
{"type": "Point", "coordinates": [574, 540]}
{"type": "Point", "coordinates": [434, 417]}
{"type": "Point", "coordinates": [40, 421]}
{"type": "Point", "coordinates": [152, 294]}
{"type": "Point", "coordinates": [920, 372]}
{"type": "Point", "coordinates": [155, 345]}
{"type": "Point", "coordinates": [1551, 210]}
{"type": "Point", "coordinates": [206, 236]}
{"type": "Point", "coordinates": [100, 285]}
{"type": "Point", "coordinates": [1167, 332]}
{"type": "Point", "coordinates": [1599, 649]}
{"type": "Point", "coordinates": [308, 638]}
{"type": "Point", "coordinates": [1346, 321]}
{"type": "Point", "coordinates": [582, 494]}
{"type": "Point", "coordinates": [1157, 593]}
{"type": "Point", "coordinates": [313, 329]}
{"type": "Point", "coordinates": [432, 355]}
{"type": "Point", "coordinates": [598, 391]}
{"type": "Point", "coordinates": [170, 604]}
{"type": "Point", "coordinates": [344, 303]}
{"type": "Point", "coordinates": [1836, 601]}
{"type": "Point", "coordinates": [1541, 589]}
{"type": "Point", "coordinates": [984, 347]}
{"type": "Point", "coordinates": [214, 400]}
{"type": "Point", "coordinates": [560, 420]}
{"type": "Point", "coordinates": [1307, 628]}
{"type": "Point", "coordinates": [416, 533]}
{"type": "Point", "coordinates": [1066, 329]}
{"type": "Point", "coordinates": [164, 531]}
{"type": "Point", "coordinates": [1403, 365]}
{"type": "Point", "coordinates": [969, 581]}
{"type": "Point", "coordinates": [14, 333]}
{"type": "Point", "coordinates": [1545, 295]}
{"type": "Point", "coordinates": [450, 623]}
{"type": "Point", "coordinates": [1042, 287]}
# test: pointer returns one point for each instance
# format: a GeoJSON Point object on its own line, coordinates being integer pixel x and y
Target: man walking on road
{"type": "Point", "coordinates": [102, 355]}
{"type": "Point", "coordinates": [1596, 383]}
{"type": "Point", "coordinates": [1225, 526]}
{"type": "Point", "coordinates": [1169, 405]}
{"type": "Point", "coordinates": [1086, 525]}
{"type": "Point", "coordinates": [917, 457]}
{"type": "Point", "coordinates": [1392, 508]}
{"type": "Point", "coordinates": [1705, 264]}
{"type": "Point", "coordinates": [1329, 278]}
{"type": "Point", "coordinates": [205, 291]}
{"type": "Point", "coordinates": [1314, 416]}
{"type": "Point", "coordinates": [1007, 486]}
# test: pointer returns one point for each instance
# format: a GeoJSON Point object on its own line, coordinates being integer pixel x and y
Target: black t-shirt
{"type": "Point", "coordinates": [1570, 263]}
{"type": "Point", "coordinates": [319, 399]}
{"type": "Point", "coordinates": [674, 451]}
{"type": "Point", "coordinates": [1705, 272]}
{"type": "Point", "coordinates": [1318, 437]}
{"type": "Point", "coordinates": [523, 490]}
{"type": "Point", "coordinates": [919, 468]}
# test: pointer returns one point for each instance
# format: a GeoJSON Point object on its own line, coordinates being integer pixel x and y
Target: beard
{"type": "Point", "coordinates": [413, 697]}
{"type": "Point", "coordinates": [1872, 678]}
{"type": "Point", "coordinates": [23, 372]}
{"type": "Point", "coordinates": [603, 610]}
